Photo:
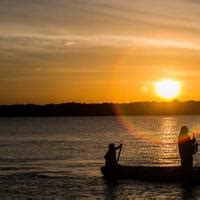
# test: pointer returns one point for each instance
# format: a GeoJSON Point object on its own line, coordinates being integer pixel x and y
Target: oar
{"type": "Point", "coordinates": [119, 154]}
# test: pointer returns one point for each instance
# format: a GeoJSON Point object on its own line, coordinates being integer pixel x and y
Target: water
{"type": "Point", "coordinates": [59, 158]}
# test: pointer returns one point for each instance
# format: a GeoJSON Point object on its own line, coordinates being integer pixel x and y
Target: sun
{"type": "Point", "coordinates": [167, 89]}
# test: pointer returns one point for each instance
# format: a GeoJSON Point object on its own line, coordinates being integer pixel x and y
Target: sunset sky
{"type": "Point", "coordinates": [54, 51]}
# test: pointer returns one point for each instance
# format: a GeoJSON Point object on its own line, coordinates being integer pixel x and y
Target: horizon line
{"type": "Point", "coordinates": [93, 103]}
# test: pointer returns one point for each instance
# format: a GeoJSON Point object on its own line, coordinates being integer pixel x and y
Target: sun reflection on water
{"type": "Point", "coordinates": [167, 153]}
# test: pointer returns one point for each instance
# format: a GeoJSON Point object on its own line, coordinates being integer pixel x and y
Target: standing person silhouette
{"type": "Point", "coordinates": [187, 147]}
{"type": "Point", "coordinates": [110, 156]}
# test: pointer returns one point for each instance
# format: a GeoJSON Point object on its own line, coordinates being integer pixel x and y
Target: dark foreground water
{"type": "Point", "coordinates": [59, 158]}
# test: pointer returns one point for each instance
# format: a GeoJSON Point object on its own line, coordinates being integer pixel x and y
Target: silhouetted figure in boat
{"type": "Point", "coordinates": [110, 156]}
{"type": "Point", "coordinates": [187, 148]}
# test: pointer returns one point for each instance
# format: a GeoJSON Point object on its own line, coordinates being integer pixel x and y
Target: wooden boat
{"type": "Point", "coordinates": [159, 174]}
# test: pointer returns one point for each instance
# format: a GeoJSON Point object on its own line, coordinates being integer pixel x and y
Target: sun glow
{"type": "Point", "coordinates": [167, 89]}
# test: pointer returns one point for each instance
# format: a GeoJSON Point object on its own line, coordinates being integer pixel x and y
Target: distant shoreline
{"type": "Point", "coordinates": [101, 109]}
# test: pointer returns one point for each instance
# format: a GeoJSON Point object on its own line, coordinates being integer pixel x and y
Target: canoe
{"type": "Point", "coordinates": [158, 174]}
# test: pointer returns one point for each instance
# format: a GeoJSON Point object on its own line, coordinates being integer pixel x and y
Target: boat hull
{"type": "Point", "coordinates": [159, 174]}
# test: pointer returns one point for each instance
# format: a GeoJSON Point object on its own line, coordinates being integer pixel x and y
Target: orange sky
{"type": "Point", "coordinates": [55, 51]}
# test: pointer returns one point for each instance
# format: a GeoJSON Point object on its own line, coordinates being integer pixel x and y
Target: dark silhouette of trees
{"type": "Point", "coordinates": [102, 109]}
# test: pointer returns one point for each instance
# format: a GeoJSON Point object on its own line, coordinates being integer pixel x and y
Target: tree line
{"type": "Point", "coordinates": [101, 109]}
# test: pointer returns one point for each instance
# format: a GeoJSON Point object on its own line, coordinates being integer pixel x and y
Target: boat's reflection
{"type": "Point", "coordinates": [129, 189]}
{"type": "Point", "coordinates": [187, 191]}
{"type": "Point", "coordinates": [110, 188]}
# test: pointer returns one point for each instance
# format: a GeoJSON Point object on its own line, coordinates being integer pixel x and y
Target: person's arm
{"type": "Point", "coordinates": [194, 144]}
{"type": "Point", "coordinates": [106, 156]}
{"type": "Point", "coordinates": [119, 147]}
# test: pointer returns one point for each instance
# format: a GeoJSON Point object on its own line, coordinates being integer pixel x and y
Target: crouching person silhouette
{"type": "Point", "coordinates": [111, 161]}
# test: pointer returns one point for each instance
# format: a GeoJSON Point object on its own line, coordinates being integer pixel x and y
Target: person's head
{"type": "Point", "coordinates": [111, 146]}
{"type": "Point", "coordinates": [184, 130]}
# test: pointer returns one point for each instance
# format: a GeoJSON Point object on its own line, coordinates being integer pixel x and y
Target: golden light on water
{"type": "Point", "coordinates": [167, 89]}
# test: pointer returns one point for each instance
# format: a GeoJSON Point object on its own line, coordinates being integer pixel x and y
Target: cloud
{"type": "Point", "coordinates": [78, 41]}
{"type": "Point", "coordinates": [97, 17]}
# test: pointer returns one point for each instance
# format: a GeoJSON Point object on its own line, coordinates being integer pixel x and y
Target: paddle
{"type": "Point", "coordinates": [195, 144]}
{"type": "Point", "coordinates": [119, 154]}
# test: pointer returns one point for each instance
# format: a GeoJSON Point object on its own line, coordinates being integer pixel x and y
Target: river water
{"type": "Point", "coordinates": [60, 158]}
